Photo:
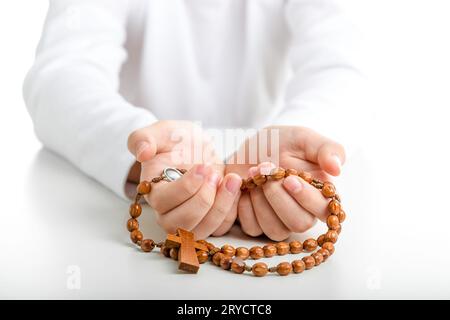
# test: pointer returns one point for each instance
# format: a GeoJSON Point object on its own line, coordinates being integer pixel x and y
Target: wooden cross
{"type": "Point", "coordinates": [187, 256]}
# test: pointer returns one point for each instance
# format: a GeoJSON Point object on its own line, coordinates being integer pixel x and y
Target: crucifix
{"type": "Point", "coordinates": [187, 256]}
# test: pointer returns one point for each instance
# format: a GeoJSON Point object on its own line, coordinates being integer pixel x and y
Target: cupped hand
{"type": "Point", "coordinates": [203, 199]}
{"type": "Point", "coordinates": [289, 205]}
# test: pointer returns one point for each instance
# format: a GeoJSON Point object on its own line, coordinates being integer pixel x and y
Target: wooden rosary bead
{"type": "Point", "coordinates": [320, 240]}
{"type": "Point", "coordinates": [242, 253]}
{"type": "Point", "coordinates": [132, 224]}
{"type": "Point", "coordinates": [225, 262]}
{"type": "Point", "coordinates": [284, 268]}
{"type": "Point", "coordinates": [256, 252]}
{"type": "Point", "coordinates": [202, 256]}
{"type": "Point", "coordinates": [217, 257]}
{"type": "Point", "coordinates": [144, 187]}
{"type": "Point", "coordinates": [237, 265]}
{"type": "Point", "coordinates": [174, 253]}
{"type": "Point", "coordinates": [325, 253]}
{"type": "Point", "coordinates": [228, 250]}
{"type": "Point", "coordinates": [296, 247]}
{"type": "Point", "coordinates": [291, 172]}
{"type": "Point", "coordinates": [341, 215]}
{"type": "Point", "coordinates": [260, 269]}
{"type": "Point", "coordinates": [249, 184]}
{"type": "Point", "coordinates": [165, 251]}
{"type": "Point", "coordinates": [277, 173]}
{"type": "Point", "coordinates": [334, 207]}
{"type": "Point", "coordinates": [333, 222]}
{"type": "Point", "coordinates": [309, 261]}
{"type": "Point", "coordinates": [306, 176]}
{"type": "Point", "coordinates": [282, 248]}
{"type": "Point", "coordinates": [135, 210]}
{"type": "Point", "coordinates": [210, 246]}
{"type": "Point", "coordinates": [318, 257]}
{"type": "Point", "coordinates": [339, 229]}
{"type": "Point", "coordinates": [329, 246]}
{"type": "Point", "coordinates": [298, 266]}
{"type": "Point", "coordinates": [328, 190]}
{"type": "Point", "coordinates": [309, 245]}
{"type": "Point", "coordinates": [259, 179]}
{"type": "Point", "coordinates": [147, 245]}
{"type": "Point", "coordinates": [331, 236]}
{"type": "Point", "coordinates": [269, 250]}
{"type": "Point", "coordinates": [136, 236]}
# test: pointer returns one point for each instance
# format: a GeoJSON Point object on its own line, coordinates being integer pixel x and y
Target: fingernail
{"type": "Point", "coordinates": [213, 180]}
{"type": "Point", "coordinates": [233, 185]}
{"type": "Point", "coordinates": [337, 161]}
{"type": "Point", "coordinates": [253, 171]}
{"type": "Point", "coordinates": [141, 146]}
{"type": "Point", "coordinates": [293, 184]}
{"type": "Point", "coordinates": [201, 171]}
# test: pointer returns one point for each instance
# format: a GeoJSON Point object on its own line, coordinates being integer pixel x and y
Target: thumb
{"type": "Point", "coordinates": [142, 144]}
{"type": "Point", "coordinates": [331, 157]}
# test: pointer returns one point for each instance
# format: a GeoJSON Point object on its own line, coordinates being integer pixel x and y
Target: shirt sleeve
{"type": "Point", "coordinates": [71, 91]}
{"type": "Point", "coordinates": [327, 83]}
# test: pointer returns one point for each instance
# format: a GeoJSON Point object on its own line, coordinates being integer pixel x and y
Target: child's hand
{"type": "Point", "coordinates": [202, 200]}
{"type": "Point", "coordinates": [291, 204]}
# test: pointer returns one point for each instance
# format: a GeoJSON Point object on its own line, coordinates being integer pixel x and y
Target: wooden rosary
{"type": "Point", "coordinates": [183, 247]}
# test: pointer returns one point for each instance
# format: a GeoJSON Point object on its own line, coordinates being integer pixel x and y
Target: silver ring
{"type": "Point", "coordinates": [171, 174]}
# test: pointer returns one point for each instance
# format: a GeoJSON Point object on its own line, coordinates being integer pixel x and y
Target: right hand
{"type": "Point", "coordinates": [203, 200]}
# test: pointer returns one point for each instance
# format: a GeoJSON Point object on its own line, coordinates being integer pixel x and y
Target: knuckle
{"type": "Point", "coordinates": [203, 200]}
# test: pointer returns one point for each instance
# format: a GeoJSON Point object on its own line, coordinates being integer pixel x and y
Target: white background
{"type": "Point", "coordinates": [394, 245]}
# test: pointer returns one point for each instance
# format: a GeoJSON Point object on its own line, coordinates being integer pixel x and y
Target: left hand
{"type": "Point", "coordinates": [291, 204]}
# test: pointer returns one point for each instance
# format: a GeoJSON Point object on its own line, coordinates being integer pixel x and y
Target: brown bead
{"type": "Point", "coordinates": [256, 252]}
{"type": "Point", "coordinates": [269, 250]}
{"type": "Point", "coordinates": [165, 251]}
{"type": "Point", "coordinates": [225, 262]}
{"type": "Point", "coordinates": [132, 224]}
{"type": "Point", "coordinates": [249, 184]}
{"type": "Point", "coordinates": [309, 245]}
{"type": "Point", "coordinates": [309, 261]}
{"type": "Point", "coordinates": [339, 229]}
{"type": "Point", "coordinates": [291, 172]}
{"type": "Point", "coordinates": [282, 248]}
{"type": "Point", "coordinates": [174, 253]}
{"type": "Point", "coordinates": [259, 179]}
{"type": "Point", "coordinates": [147, 245]}
{"type": "Point", "coordinates": [242, 253]}
{"type": "Point", "coordinates": [210, 246]}
{"type": "Point", "coordinates": [204, 242]}
{"type": "Point", "coordinates": [202, 256]}
{"type": "Point", "coordinates": [135, 210]}
{"type": "Point", "coordinates": [321, 240]}
{"type": "Point", "coordinates": [136, 236]}
{"type": "Point", "coordinates": [306, 176]}
{"type": "Point", "coordinates": [328, 246]}
{"type": "Point", "coordinates": [331, 236]}
{"type": "Point", "coordinates": [284, 268]}
{"type": "Point", "coordinates": [318, 257]}
{"type": "Point", "coordinates": [260, 269]}
{"type": "Point", "coordinates": [277, 173]}
{"type": "Point", "coordinates": [243, 185]}
{"type": "Point", "coordinates": [144, 187]}
{"type": "Point", "coordinates": [237, 265]}
{"type": "Point", "coordinates": [217, 257]}
{"type": "Point", "coordinates": [334, 207]}
{"type": "Point", "coordinates": [325, 253]}
{"type": "Point", "coordinates": [333, 222]}
{"type": "Point", "coordinates": [228, 250]}
{"type": "Point", "coordinates": [296, 246]}
{"type": "Point", "coordinates": [341, 215]}
{"type": "Point", "coordinates": [328, 190]}
{"type": "Point", "coordinates": [298, 266]}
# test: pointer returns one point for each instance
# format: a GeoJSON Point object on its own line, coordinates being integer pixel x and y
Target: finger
{"type": "Point", "coordinates": [307, 196]}
{"type": "Point", "coordinates": [189, 214]}
{"type": "Point", "coordinates": [142, 144]}
{"type": "Point", "coordinates": [270, 223]}
{"type": "Point", "coordinates": [329, 154]}
{"type": "Point", "coordinates": [293, 216]}
{"type": "Point", "coordinates": [227, 193]}
{"type": "Point", "coordinates": [167, 196]}
{"type": "Point", "coordinates": [229, 221]}
{"type": "Point", "coordinates": [247, 217]}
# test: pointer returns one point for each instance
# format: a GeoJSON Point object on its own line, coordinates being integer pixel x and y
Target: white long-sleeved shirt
{"type": "Point", "coordinates": [105, 68]}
